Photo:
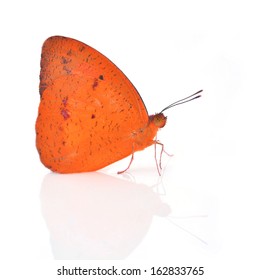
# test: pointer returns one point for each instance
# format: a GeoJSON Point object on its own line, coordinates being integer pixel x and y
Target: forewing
{"type": "Point", "coordinates": [89, 110]}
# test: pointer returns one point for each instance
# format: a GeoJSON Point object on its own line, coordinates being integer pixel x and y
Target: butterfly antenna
{"type": "Point", "coordinates": [184, 100]}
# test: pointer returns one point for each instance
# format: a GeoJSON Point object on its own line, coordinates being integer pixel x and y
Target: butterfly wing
{"type": "Point", "coordinates": [89, 111]}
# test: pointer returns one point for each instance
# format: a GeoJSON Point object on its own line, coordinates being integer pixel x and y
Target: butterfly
{"type": "Point", "coordinates": [90, 115]}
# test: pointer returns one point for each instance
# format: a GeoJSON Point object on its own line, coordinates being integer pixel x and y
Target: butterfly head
{"type": "Point", "coordinates": [159, 120]}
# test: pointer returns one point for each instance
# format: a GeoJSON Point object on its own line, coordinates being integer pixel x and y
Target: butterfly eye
{"type": "Point", "coordinates": [159, 120]}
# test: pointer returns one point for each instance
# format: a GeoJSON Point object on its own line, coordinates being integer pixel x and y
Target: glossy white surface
{"type": "Point", "coordinates": [204, 209]}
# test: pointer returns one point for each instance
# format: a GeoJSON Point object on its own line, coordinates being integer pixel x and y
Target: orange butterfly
{"type": "Point", "coordinates": [90, 114]}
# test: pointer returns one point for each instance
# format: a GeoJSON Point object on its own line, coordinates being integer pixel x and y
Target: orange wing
{"type": "Point", "coordinates": [90, 113]}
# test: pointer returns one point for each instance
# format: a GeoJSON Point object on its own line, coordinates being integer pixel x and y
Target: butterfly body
{"type": "Point", "coordinates": [90, 115]}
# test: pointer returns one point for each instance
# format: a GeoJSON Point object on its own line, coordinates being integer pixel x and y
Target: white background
{"type": "Point", "coordinates": [204, 210]}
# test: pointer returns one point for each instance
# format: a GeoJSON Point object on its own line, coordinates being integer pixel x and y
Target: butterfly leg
{"type": "Point", "coordinates": [159, 166]}
{"type": "Point", "coordinates": [131, 160]}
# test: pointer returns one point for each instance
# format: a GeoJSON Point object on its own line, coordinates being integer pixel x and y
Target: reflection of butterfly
{"type": "Point", "coordinates": [90, 114]}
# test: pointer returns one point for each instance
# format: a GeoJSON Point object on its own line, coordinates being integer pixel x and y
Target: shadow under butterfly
{"type": "Point", "coordinates": [97, 216]}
